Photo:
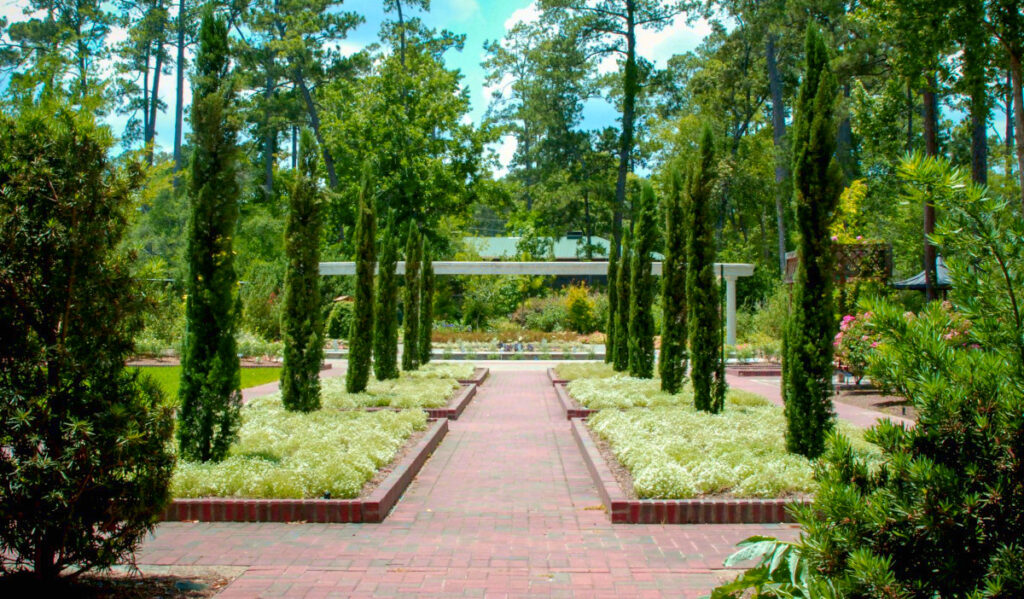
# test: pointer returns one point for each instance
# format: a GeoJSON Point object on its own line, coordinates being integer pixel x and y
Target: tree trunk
{"type": "Point", "coordinates": [145, 101]}
{"type": "Point", "coordinates": [1009, 112]}
{"type": "Point", "coordinates": [975, 57]}
{"type": "Point", "coordinates": [294, 156]}
{"type": "Point", "coordinates": [629, 90]}
{"type": "Point", "coordinates": [268, 140]}
{"type": "Point", "coordinates": [586, 222]}
{"type": "Point", "coordinates": [1018, 117]}
{"type": "Point", "coordinates": [314, 121]}
{"type": "Point", "coordinates": [910, 118]}
{"type": "Point", "coordinates": [778, 135]}
{"type": "Point", "coordinates": [844, 142]}
{"type": "Point", "coordinates": [179, 100]}
{"type": "Point", "coordinates": [931, 144]}
{"type": "Point", "coordinates": [154, 103]}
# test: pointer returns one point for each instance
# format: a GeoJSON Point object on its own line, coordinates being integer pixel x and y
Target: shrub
{"type": "Point", "coordinates": [210, 397]}
{"type": "Point", "coordinates": [621, 339]}
{"type": "Point", "coordinates": [360, 353]}
{"type": "Point", "coordinates": [426, 305]}
{"type": "Point", "coordinates": [547, 314]}
{"type": "Point", "coordinates": [84, 461]}
{"type": "Point", "coordinates": [673, 358]}
{"type": "Point", "coordinates": [580, 310]}
{"type": "Point", "coordinates": [411, 307]}
{"type": "Point", "coordinates": [854, 344]}
{"type": "Point", "coordinates": [641, 298]}
{"type": "Point", "coordinates": [385, 325]}
{"type": "Point", "coordinates": [339, 321]}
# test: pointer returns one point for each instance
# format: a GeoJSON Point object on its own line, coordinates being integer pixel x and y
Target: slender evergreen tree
{"type": "Point", "coordinates": [360, 337]}
{"type": "Point", "coordinates": [672, 362]}
{"type": "Point", "coordinates": [209, 394]}
{"type": "Point", "coordinates": [621, 363]}
{"type": "Point", "coordinates": [385, 326]}
{"type": "Point", "coordinates": [641, 297]}
{"type": "Point", "coordinates": [817, 183]}
{"type": "Point", "coordinates": [708, 372]}
{"type": "Point", "coordinates": [426, 304]}
{"type": "Point", "coordinates": [613, 297]}
{"type": "Point", "coordinates": [303, 325]}
{"type": "Point", "coordinates": [411, 318]}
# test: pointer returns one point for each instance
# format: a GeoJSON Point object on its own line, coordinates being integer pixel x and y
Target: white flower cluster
{"type": "Point", "coordinates": [570, 371]}
{"type": "Point", "coordinates": [281, 454]}
{"type": "Point", "coordinates": [458, 371]}
{"type": "Point", "coordinates": [404, 392]}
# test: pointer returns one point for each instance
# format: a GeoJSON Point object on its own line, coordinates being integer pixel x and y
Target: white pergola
{"type": "Point", "coordinates": [729, 272]}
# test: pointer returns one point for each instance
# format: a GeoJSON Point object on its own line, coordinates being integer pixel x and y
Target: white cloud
{"type": "Point", "coordinates": [14, 10]}
{"type": "Point", "coordinates": [528, 14]}
{"type": "Point", "coordinates": [678, 37]}
{"type": "Point", "coordinates": [506, 150]}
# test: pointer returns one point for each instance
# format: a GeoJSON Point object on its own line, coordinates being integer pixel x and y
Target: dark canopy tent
{"type": "Point", "coordinates": [917, 282]}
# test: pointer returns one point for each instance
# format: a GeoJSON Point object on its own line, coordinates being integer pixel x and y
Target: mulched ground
{"type": "Point", "coordinates": [873, 399]}
{"type": "Point", "coordinates": [168, 582]}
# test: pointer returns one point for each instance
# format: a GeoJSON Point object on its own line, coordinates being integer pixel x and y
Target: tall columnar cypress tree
{"type": "Point", "coordinates": [613, 303]}
{"type": "Point", "coordinates": [641, 298]}
{"type": "Point", "coordinates": [672, 362]}
{"type": "Point", "coordinates": [385, 326]}
{"type": "Point", "coordinates": [817, 183]}
{"type": "Point", "coordinates": [360, 334]}
{"type": "Point", "coordinates": [621, 363]}
{"type": "Point", "coordinates": [411, 318]}
{"type": "Point", "coordinates": [426, 304]}
{"type": "Point", "coordinates": [303, 324]}
{"type": "Point", "coordinates": [707, 373]}
{"type": "Point", "coordinates": [210, 398]}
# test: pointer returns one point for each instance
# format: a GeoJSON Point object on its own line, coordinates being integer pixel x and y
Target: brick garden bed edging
{"type": "Point", "coordinates": [373, 508]}
{"type": "Point", "coordinates": [752, 369]}
{"type": "Point", "coordinates": [478, 377]}
{"type": "Point", "coordinates": [570, 406]}
{"type": "Point", "coordinates": [456, 405]}
{"type": "Point", "coordinates": [670, 511]}
{"type": "Point", "coordinates": [555, 380]}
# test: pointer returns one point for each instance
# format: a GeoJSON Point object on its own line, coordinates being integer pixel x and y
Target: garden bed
{"type": "Point", "coordinates": [714, 510]}
{"type": "Point", "coordinates": [477, 378]}
{"type": "Point", "coordinates": [762, 369]}
{"type": "Point", "coordinates": [565, 373]}
{"type": "Point", "coordinates": [373, 507]}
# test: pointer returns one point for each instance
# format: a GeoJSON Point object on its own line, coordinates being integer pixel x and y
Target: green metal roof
{"type": "Point", "coordinates": [565, 248]}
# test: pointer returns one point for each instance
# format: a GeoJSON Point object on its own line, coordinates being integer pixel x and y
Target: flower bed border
{"type": "Point", "coordinates": [570, 406]}
{"type": "Point", "coordinates": [374, 508]}
{"type": "Point", "coordinates": [670, 511]}
{"type": "Point", "coordinates": [768, 370]}
{"type": "Point", "coordinates": [555, 380]}
{"type": "Point", "coordinates": [477, 378]}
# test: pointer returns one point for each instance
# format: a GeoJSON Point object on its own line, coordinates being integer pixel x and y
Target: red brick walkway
{"type": "Point", "coordinates": [505, 508]}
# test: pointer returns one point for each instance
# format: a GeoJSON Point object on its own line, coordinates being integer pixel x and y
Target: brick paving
{"type": "Point", "coordinates": [504, 508]}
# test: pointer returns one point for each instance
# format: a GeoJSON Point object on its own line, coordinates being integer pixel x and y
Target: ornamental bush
{"type": "Point", "coordinates": [411, 307]}
{"type": "Point", "coordinates": [621, 340]}
{"type": "Point", "coordinates": [581, 311]}
{"type": "Point", "coordinates": [385, 326]}
{"type": "Point", "coordinates": [854, 344]}
{"type": "Point", "coordinates": [339, 320]}
{"type": "Point", "coordinates": [360, 349]}
{"type": "Point", "coordinates": [673, 358]}
{"type": "Point", "coordinates": [84, 443]}
{"type": "Point", "coordinates": [641, 298]}
{"type": "Point", "coordinates": [426, 305]}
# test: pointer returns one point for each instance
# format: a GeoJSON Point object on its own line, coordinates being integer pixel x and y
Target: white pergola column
{"type": "Point", "coordinates": [729, 272]}
{"type": "Point", "coordinates": [730, 309]}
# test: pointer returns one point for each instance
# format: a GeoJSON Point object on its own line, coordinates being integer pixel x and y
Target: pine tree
{"type": "Point", "coordinates": [360, 337]}
{"type": "Point", "coordinates": [411, 318]}
{"type": "Point", "coordinates": [707, 373]}
{"type": "Point", "coordinates": [210, 397]}
{"type": "Point", "coordinates": [613, 296]}
{"type": "Point", "coordinates": [621, 363]}
{"type": "Point", "coordinates": [426, 305]}
{"type": "Point", "coordinates": [641, 298]}
{"type": "Point", "coordinates": [817, 183]}
{"type": "Point", "coordinates": [672, 362]}
{"type": "Point", "coordinates": [385, 326]}
{"type": "Point", "coordinates": [303, 325]}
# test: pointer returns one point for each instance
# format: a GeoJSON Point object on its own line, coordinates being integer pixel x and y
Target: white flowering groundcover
{"type": "Point", "coordinates": [570, 371]}
{"type": "Point", "coordinates": [673, 451]}
{"type": "Point", "coordinates": [334, 450]}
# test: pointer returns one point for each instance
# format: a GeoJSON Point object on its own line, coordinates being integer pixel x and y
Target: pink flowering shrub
{"type": "Point", "coordinates": [854, 344]}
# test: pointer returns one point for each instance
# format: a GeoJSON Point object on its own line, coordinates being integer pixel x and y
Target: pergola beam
{"type": "Point", "coordinates": [728, 271]}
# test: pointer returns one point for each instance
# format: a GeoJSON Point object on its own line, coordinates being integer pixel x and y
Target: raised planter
{"type": "Point", "coordinates": [555, 380]}
{"type": "Point", "coordinates": [570, 406]}
{"type": "Point", "coordinates": [478, 378]}
{"type": "Point", "coordinates": [373, 508]}
{"type": "Point", "coordinates": [477, 356]}
{"type": "Point", "coordinates": [754, 369]}
{"type": "Point", "coordinates": [670, 511]}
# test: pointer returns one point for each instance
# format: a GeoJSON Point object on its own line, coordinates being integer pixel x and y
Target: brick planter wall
{"type": "Point", "coordinates": [569, 405]}
{"type": "Point", "coordinates": [478, 378]}
{"type": "Point", "coordinates": [373, 508]}
{"type": "Point", "coordinates": [555, 380]}
{"type": "Point", "coordinates": [670, 511]}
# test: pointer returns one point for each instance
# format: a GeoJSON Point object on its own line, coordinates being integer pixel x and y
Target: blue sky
{"type": "Point", "coordinates": [479, 20]}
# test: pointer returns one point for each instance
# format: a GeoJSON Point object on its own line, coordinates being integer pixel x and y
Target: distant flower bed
{"type": "Point", "coordinates": [446, 335]}
{"type": "Point", "coordinates": [622, 391]}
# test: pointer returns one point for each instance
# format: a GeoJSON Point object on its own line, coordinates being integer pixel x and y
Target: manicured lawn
{"type": "Point", "coordinates": [169, 377]}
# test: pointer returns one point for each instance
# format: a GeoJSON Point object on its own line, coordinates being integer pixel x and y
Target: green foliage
{"type": "Point", "coordinates": [303, 321]}
{"type": "Point", "coordinates": [702, 300]}
{"type": "Point", "coordinates": [282, 454]}
{"type": "Point", "coordinates": [807, 344]}
{"type": "Point", "coordinates": [360, 338]}
{"type": "Point", "coordinates": [613, 303]}
{"type": "Point", "coordinates": [210, 398]}
{"type": "Point", "coordinates": [621, 361]}
{"type": "Point", "coordinates": [580, 309]}
{"type": "Point", "coordinates": [339, 321]}
{"type": "Point", "coordinates": [570, 371]}
{"type": "Point", "coordinates": [168, 378]}
{"type": "Point", "coordinates": [854, 344]}
{"type": "Point", "coordinates": [673, 357]}
{"type": "Point", "coordinates": [942, 515]}
{"type": "Point", "coordinates": [85, 463]}
{"type": "Point", "coordinates": [411, 307]}
{"type": "Point", "coordinates": [426, 305]}
{"type": "Point", "coordinates": [641, 297]}
{"type": "Point", "coordinates": [385, 325]}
